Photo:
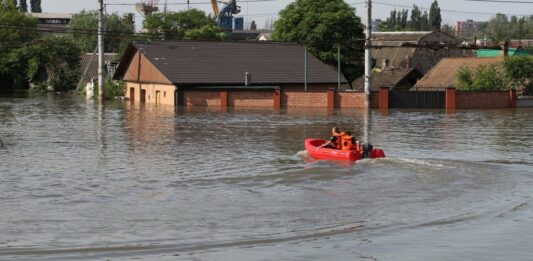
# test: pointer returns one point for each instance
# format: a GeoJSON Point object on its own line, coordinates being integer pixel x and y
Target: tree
{"type": "Point", "coordinates": [519, 70]}
{"type": "Point", "coordinates": [498, 29]}
{"type": "Point", "coordinates": [416, 19]}
{"type": "Point", "coordinates": [321, 26]}
{"type": "Point", "coordinates": [253, 25]}
{"type": "Point", "coordinates": [61, 58]}
{"type": "Point", "coordinates": [36, 6]}
{"type": "Point", "coordinates": [191, 24]}
{"type": "Point", "coordinates": [23, 6]}
{"type": "Point", "coordinates": [424, 22]}
{"type": "Point", "coordinates": [117, 32]}
{"type": "Point", "coordinates": [435, 18]}
{"type": "Point", "coordinates": [484, 77]}
{"type": "Point", "coordinates": [446, 28]}
{"type": "Point", "coordinates": [17, 32]}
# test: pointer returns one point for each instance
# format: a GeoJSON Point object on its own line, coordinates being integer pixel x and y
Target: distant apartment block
{"type": "Point", "coordinates": [465, 29]}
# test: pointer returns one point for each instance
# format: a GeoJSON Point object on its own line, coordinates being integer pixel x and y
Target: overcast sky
{"type": "Point", "coordinates": [262, 11]}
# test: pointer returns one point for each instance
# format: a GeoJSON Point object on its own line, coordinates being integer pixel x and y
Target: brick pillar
{"type": "Point", "coordinates": [331, 98]}
{"type": "Point", "coordinates": [512, 98]}
{"type": "Point", "coordinates": [277, 98]}
{"type": "Point", "coordinates": [383, 98]}
{"type": "Point", "coordinates": [450, 98]}
{"type": "Point", "coordinates": [223, 98]}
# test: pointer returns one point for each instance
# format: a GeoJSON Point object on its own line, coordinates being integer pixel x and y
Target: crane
{"type": "Point", "coordinates": [215, 7]}
{"type": "Point", "coordinates": [225, 16]}
{"type": "Point", "coordinates": [147, 7]}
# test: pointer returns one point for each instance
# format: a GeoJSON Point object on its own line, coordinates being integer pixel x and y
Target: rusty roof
{"type": "Point", "coordinates": [444, 74]}
{"type": "Point", "coordinates": [385, 78]}
{"type": "Point", "coordinates": [89, 64]}
{"type": "Point", "coordinates": [225, 63]}
{"type": "Point", "coordinates": [399, 36]}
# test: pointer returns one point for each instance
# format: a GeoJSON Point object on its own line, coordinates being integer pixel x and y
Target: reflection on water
{"type": "Point", "coordinates": [127, 181]}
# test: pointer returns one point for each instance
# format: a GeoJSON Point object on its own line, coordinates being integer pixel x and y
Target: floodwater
{"type": "Point", "coordinates": [121, 182]}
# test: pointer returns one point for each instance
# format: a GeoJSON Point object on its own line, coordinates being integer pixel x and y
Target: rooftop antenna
{"type": "Point", "coordinates": [147, 7]}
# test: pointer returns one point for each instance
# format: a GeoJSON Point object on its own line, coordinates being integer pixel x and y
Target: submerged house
{"type": "Point", "coordinates": [419, 50]}
{"type": "Point", "coordinates": [237, 74]}
{"type": "Point", "coordinates": [444, 74]}
{"type": "Point", "coordinates": [400, 58]}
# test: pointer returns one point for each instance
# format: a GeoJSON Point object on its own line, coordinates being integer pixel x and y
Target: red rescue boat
{"type": "Point", "coordinates": [311, 145]}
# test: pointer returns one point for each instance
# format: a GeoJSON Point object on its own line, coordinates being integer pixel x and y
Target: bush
{"type": "Point", "coordinates": [112, 88]}
{"type": "Point", "coordinates": [484, 78]}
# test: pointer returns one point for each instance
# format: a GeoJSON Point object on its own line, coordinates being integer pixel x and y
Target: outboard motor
{"type": "Point", "coordinates": [367, 149]}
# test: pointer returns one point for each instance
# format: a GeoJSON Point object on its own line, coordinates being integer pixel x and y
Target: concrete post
{"type": "Point", "coordinates": [450, 98]}
{"type": "Point", "coordinates": [383, 98]}
{"type": "Point", "coordinates": [331, 99]}
{"type": "Point", "coordinates": [513, 97]}
{"type": "Point", "coordinates": [277, 98]}
{"type": "Point", "coordinates": [223, 98]}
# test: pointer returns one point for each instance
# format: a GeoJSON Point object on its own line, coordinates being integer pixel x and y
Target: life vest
{"type": "Point", "coordinates": [338, 143]}
{"type": "Point", "coordinates": [346, 142]}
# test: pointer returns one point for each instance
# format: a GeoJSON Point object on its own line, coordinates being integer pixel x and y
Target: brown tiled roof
{"type": "Point", "coordinates": [444, 74]}
{"type": "Point", "coordinates": [219, 63]}
{"type": "Point", "coordinates": [386, 78]}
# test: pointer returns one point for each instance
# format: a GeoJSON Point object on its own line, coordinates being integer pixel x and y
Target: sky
{"type": "Point", "coordinates": [262, 11]}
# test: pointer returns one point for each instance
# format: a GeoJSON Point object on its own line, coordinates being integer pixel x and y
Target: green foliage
{"type": "Point", "coordinates": [501, 28]}
{"type": "Point", "coordinates": [84, 25]}
{"type": "Point", "coordinates": [464, 78]}
{"type": "Point", "coordinates": [112, 88]}
{"type": "Point", "coordinates": [36, 6]}
{"type": "Point", "coordinates": [16, 33]}
{"type": "Point", "coordinates": [435, 19]}
{"type": "Point", "coordinates": [192, 24]}
{"type": "Point", "coordinates": [23, 6]}
{"type": "Point", "coordinates": [519, 70]}
{"type": "Point", "coordinates": [321, 26]}
{"type": "Point", "coordinates": [489, 77]}
{"type": "Point", "coordinates": [419, 21]}
{"type": "Point", "coordinates": [61, 58]}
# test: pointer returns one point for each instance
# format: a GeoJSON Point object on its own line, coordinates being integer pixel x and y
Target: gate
{"type": "Point", "coordinates": [426, 99]}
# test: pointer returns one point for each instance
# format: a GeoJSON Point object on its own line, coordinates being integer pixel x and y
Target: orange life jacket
{"type": "Point", "coordinates": [346, 142]}
{"type": "Point", "coordinates": [338, 143]}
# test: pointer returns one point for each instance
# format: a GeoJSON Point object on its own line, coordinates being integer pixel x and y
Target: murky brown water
{"type": "Point", "coordinates": [120, 182]}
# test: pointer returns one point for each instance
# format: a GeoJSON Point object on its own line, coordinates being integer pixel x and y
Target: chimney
{"type": "Point", "coordinates": [247, 79]}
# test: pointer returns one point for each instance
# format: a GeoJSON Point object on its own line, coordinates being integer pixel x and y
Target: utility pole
{"type": "Point", "coordinates": [101, 94]}
{"type": "Point", "coordinates": [339, 67]}
{"type": "Point", "coordinates": [368, 50]}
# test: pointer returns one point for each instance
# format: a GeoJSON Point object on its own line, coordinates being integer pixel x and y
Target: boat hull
{"type": "Point", "coordinates": [311, 145]}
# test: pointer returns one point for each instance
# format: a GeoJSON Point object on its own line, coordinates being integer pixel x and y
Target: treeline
{"type": "Point", "coordinates": [501, 28]}
{"type": "Point", "coordinates": [416, 20]}
{"type": "Point", "coordinates": [22, 5]}
{"type": "Point", "coordinates": [42, 58]}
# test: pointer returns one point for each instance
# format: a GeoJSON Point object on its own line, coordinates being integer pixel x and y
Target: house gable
{"type": "Point", "coordinates": [141, 69]}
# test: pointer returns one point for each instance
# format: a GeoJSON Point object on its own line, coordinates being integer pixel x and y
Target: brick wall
{"type": "Point", "coordinates": [350, 100]}
{"type": "Point", "coordinates": [489, 99]}
{"type": "Point", "coordinates": [292, 97]}
{"type": "Point", "coordinates": [307, 99]}
{"type": "Point", "coordinates": [374, 100]}
{"type": "Point", "coordinates": [250, 98]}
{"type": "Point", "coordinates": [201, 98]}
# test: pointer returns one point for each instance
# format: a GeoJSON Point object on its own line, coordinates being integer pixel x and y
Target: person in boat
{"type": "Point", "coordinates": [334, 140]}
{"type": "Point", "coordinates": [348, 142]}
